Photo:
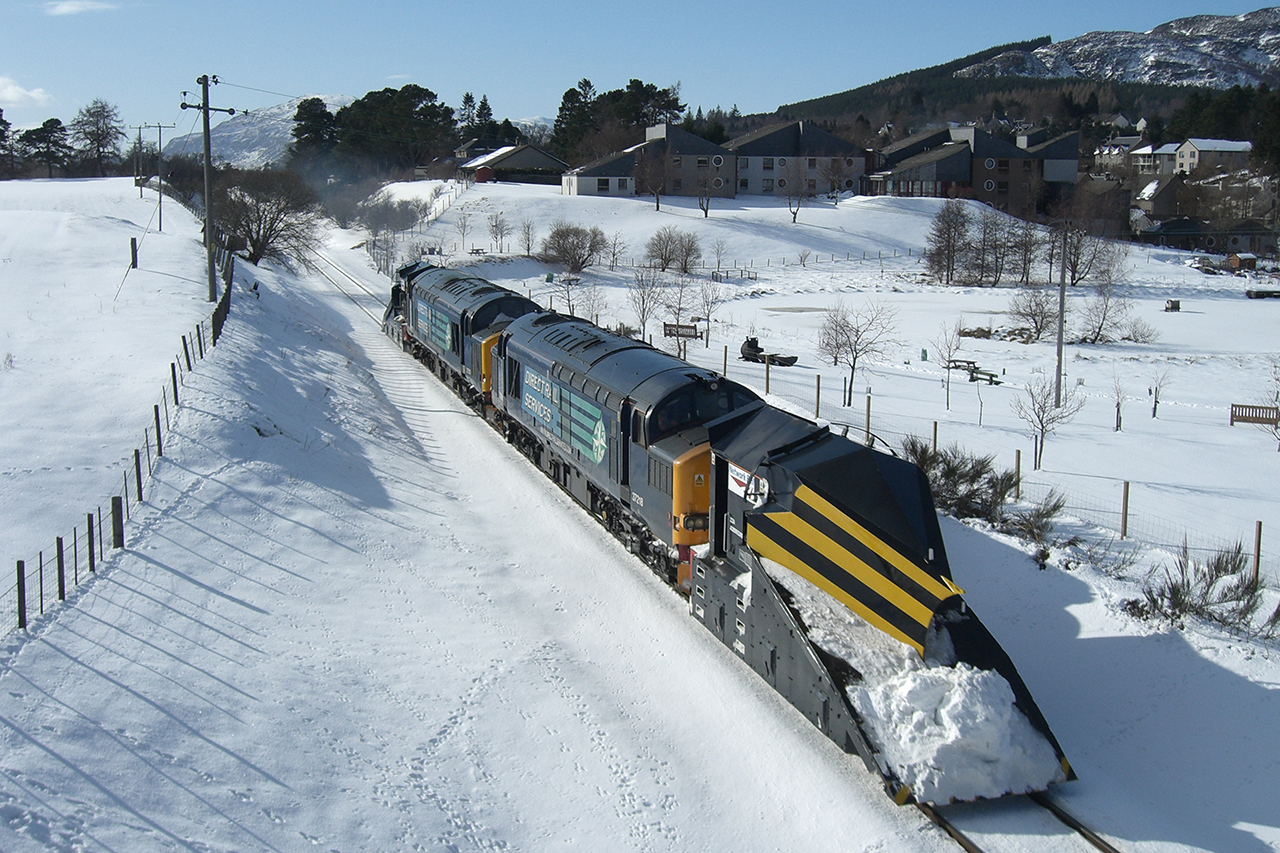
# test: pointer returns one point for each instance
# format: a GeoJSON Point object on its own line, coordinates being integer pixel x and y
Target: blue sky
{"type": "Point", "coordinates": [141, 54]}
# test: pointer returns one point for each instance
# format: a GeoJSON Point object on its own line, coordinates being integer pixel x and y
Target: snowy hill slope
{"type": "Point", "coordinates": [1205, 50]}
{"type": "Point", "coordinates": [251, 140]}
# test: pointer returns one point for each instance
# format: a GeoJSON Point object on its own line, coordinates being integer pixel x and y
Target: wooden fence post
{"type": "Point", "coordinates": [62, 573]}
{"type": "Point", "coordinates": [133, 252]}
{"type": "Point", "coordinates": [1124, 512]}
{"type": "Point", "coordinates": [159, 443]}
{"type": "Point", "coordinates": [1017, 474]}
{"type": "Point", "coordinates": [88, 527]}
{"type": "Point", "coordinates": [22, 595]}
{"type": "Point", "coordinates": [173, 371]}
{"type": "Point", "coordinates": [200, 340]}
{"type": "Point", "coordinates": [1257, 550]}
{"type": "Point", "coordinates": [186, 352]}
{"type": "Point", "coordinates": [117, 523]}
{"type": "Point", "coordinates": [137, 471]}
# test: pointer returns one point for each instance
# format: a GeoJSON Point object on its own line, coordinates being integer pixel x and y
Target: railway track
{"type": "Point", "coordinates": [1041, 800]}
{"type": "Point", "coordinates": [379, 299]}
{"type": "Point", "coordinates": [347, 284]}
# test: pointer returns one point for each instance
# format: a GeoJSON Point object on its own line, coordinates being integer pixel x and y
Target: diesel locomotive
{"type": "Point", "coordinates": [714, 489]}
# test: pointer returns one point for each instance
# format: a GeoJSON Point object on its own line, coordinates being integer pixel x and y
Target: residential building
{"type": "Point", "coordinates": [800, 150]}
{"type": "Point", "coordinates": [523, 164]}
{"type": "Point", "coordinates": [1222, 155]}
{"type": "Point", "coordinates": [964, 162]}
{"type": "Point", "coordinates": [679, 160]}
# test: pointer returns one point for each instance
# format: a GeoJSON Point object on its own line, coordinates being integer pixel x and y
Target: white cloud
{"type": "Point", "coordinates": [13, 95]}
{"type": "Point", "coordinates": [75, 7]}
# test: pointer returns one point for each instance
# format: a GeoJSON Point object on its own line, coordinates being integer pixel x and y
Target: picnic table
{"type": "Point", "coordinates": [477, 250]}
{"type": "Point", "coordinates": [976, 374]}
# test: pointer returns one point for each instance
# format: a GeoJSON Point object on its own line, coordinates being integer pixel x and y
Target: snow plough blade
{"type": "Point", "coordinates": [830, 555]}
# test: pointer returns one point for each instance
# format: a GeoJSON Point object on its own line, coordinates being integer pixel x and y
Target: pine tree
{"type": "Point", "coordinates": [467, 111]}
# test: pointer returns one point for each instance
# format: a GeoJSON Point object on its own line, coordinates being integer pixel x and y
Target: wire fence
{"type": "Point", "coordinates": [41, 581]}
{"type": "Point", "coordinates": [1109, 506]}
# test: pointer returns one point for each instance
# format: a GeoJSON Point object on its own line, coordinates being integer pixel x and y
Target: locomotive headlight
{"type": "Point", "coordinates": [695, 522]}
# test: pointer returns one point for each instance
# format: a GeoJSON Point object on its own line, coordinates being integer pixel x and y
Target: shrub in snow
{"type": "Point", "coordinates": [1220, 589]}
{"type": "Point", "coordinates": [963, 485]}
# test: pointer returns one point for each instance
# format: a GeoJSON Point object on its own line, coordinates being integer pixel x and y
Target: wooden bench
{"type": "Point", "coordinates": [1266, 415]}
{"type": "Point", "coordinates": [986, 376]}
{"type": "Point", "coordinates": [962, 364]}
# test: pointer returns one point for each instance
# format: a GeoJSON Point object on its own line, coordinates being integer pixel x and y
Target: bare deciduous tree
{"type": "Point", "coordinates": [499, 228]}
{"type": "Point", "coordinates": [1104, 315]}
{"type": "Point", "coordinates": [645, 294]}
{"type": "Point", "coordinates": [574, 246]}
{"type": "Point", "coordinates": [661, 248]}
{"type": "Point", "coordinates": [852, 337]}
{"type": "Point", "coordinates": [1035, 309]}
{"type": "Point", "coordinates": [711, 296]}
{"type": "Point", "coordinates": [835, 173]}
{"type": "Point", "coordinates": [1118, 397]}
{"type": "Point", "coordinates": [650, 173]}
{"type": "Point", "coordinates": [794, 184]}
{"type": "Point", "coordinates": [617, 247]}
{"type": "Point", "coordinates": [678, 300]}
{"type": "Point", "coordinates": [1159, 379]}
{"type": "Point", "coordinates": [803, 257]}
{"type": "Point", "coordinates": [719, 248]}
{"type": "Point", "coordinates": [1037, 411]}
{"type": "Point", "coordinates": [1026, 244]}
{"type": "Point", "coordinates": [704, 195]}
{"type": "Point", "coordinates": [948, 240]}
{"type": "Point", "coordinates": [273, 211]}
{"type": "Point", "coordinates": [947, 346]}
{"type": "Point", "coordinates": [462, 225]}
{"type": "Point", "coordinates": [528, 237]}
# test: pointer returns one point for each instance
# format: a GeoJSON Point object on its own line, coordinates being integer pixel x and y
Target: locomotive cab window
{"type": "Point", "coordinates": [695, 404]}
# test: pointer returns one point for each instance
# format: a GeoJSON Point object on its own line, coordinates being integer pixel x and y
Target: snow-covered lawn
{"type": "Point", "coordinates": [350, 618]}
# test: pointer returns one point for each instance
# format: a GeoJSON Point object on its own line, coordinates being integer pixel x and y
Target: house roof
{"type": "Point", "coordinates": [679, 141]}
{"type": "Point", "coordinates": [792, 139]}
{"type": "Point", "coordinates": [488, 159]}
{"type": "Point", "coordinates": [620, 164]}
{"type": "Point", "coordinates": [1224, 145]}
{"type": "Point", "coordinates": [1063, 147]}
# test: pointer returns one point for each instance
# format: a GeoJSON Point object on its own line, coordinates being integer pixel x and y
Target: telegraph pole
{"type": "Point", "coordinates": [204, 108]}
{"type": "Point", "coordinates": [159, 165]}
{"type": "Point", "coordinates": [137, 159]}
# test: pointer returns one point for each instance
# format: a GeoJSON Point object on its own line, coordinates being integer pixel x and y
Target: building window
{"type": "Point", "coordinates": [718, 183]}
{"type": "Point", "coordinates": [766, 186]}
{"type": "Point", "coordinates": [742, 162]}
{"type": "Point", "coordinates": [676, 184]}
{"type": "Point", "coordinates": [1003, 166]}
{"type": "Point", "coordinates": [717, 161]}
{"type": "Point", "coordinates": [622, 183]}
{"type": "Point", "coordinates": [767, 164]}
{"type": "Point", "coordinates": [813, 162]}
{"type": "Point", "coordinates": [742, 183]}
{"type": "Point", "coordinates": [990, 164]}
{"type": "Point", "coordinates": [703, 162]}
{"type": "Point", "coordinates": [602, 185]}
{"type": "Point", "coordinates": [1002, 188]}
{"type": "Point", "coordinates": [782, 161]}
{"type": "Point", "coordinates": [989, 186]}
{"type": "Point", "coordinates": [782, 182]}
{"type": "Point", "coordinates": [675, 162]}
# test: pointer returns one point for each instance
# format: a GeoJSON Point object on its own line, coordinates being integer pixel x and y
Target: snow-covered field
{"type": "Point", "coordinates": [350, 618]}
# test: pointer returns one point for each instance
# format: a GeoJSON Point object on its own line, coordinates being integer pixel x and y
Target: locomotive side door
{"type": "Point", "coordinates": [622, 472]}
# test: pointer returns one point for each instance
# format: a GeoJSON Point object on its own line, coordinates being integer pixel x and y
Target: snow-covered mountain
{"type": "Point", "coordinates": [1203, 50]}
{"type": "Point", "coordinates": [252, 139]}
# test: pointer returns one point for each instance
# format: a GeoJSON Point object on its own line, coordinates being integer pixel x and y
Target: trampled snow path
{"type": "Point", "coordinates": [353, 619]}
